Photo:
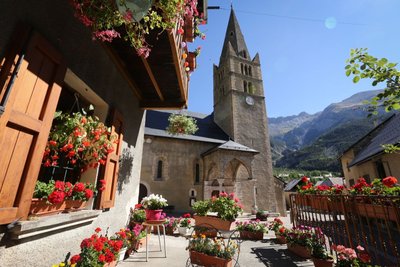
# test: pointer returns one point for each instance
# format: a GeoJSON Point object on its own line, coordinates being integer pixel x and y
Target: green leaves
{"type": "Point", "coordinates": [356, 79]}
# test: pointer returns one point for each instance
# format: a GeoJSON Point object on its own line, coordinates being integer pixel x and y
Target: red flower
{"type": "Point", "coordinates": [282, 230]}
{"type": "Point", "coordinates": [88, 193]}
{"type": "Point", "coordinates": [86, 243]}
{"type": "Point", "coordinates": [97, 230]}
{"type": "Point", "coordinates": [102, 258]}
{"type": "Point", "coordinates": [180, 31]}
{"type": "Point", "coordinates": [56, 197]}
{"type": "Point", "coordinates": [75, 259]}
{"type": "Point", "coordinates": [59, 185]}
{"type": "Point", "coordinates": [86, 143]}
{"type": "Point", "coordinates": [83, 120]}
{"type": "Point", "coordinates": [52, 143]}
{"type": "Point", "coordinates": [98, 245]}
{"type": "Point", "coordinates": [47, 163]}
{"type": "Point", "coordinates": [109, 256]}
{"type": "Point", "coordinates": [71, 154]}
{"type": "Point", "coordinates": [187, 215]}
{"type": "Point", "coordinates": [389, 181]}
{"type": "Point", "coordinates": [305, 179]}
{"type": "Point", "coordinates": [138, 206]}
{"type": "Point", "coordinates": [79, 187]}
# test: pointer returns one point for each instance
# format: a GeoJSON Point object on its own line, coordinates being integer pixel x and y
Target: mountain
{"type": "Point", "coordinates": [315, 141]}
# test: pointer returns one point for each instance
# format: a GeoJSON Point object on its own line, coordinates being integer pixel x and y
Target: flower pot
{"type": "Point", "coordinates": [301, 251]}
{"type": "Point", "coordinates": [208, 261]}
{"type": "Point", "coordinates": [191, 59]}
{"type": "Point", "coordinates": [122, 252]}
{"type": "Point", "coordinates": [40, 207]}
{"type": "Point", "coordinates": [136, 244]}
{"type": "Point", "coordinates": [111, 264]}
{"type": "Point", "coordinates": [189, 29]}
{"type": "Point", "coordinates": [214, 222]}
{"type": "Point", "coordinates": [322, 262]}
{"type": "Point", "coordinates": [280, 239]}
{"type": "Point", "coordinates": [183, 230]}
{"type": "Point", "coordinates": [211, 233]}
{"type": "Point", "coordinates": [154, 215]}
{"type": "Point", "coordinates": [74, 205]}
{"type": "Point", "coordinates": [169, 230]}
{"type": "Point", "coordinates": [376, 211]}
{"type": "Point", "coordinates": [251, 235]}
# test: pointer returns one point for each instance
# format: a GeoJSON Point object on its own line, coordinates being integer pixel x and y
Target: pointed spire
{"type": "Point", "coordinates": [235, 37]}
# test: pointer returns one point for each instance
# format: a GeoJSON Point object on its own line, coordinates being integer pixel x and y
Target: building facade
{"type": "Point", "coordinates": [49, 62]}
{"type": "Point", "coordinates": [231, 150]}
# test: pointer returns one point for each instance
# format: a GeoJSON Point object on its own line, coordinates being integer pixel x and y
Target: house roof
{"type": "Point", "coordinates": [292, 184]}
{"type": "Point", "coordinates": [388, 133]}
{"type": "Point", "coordinates": [209, 131]}
{"type": "Point", "coordinates": [336, 180]}
{"type": "Point", "coordinates": [231, 145]}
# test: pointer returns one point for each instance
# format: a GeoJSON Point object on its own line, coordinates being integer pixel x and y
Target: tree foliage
{"type": "Point", "coordinates": [361, 65]}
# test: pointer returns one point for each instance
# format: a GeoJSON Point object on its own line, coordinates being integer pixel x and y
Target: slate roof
{"type": "Point", "coordinates": [231, 145]}
{"type": "Point", "coordinates": [209, 131]}
{"type": "Point", "coordinates": [389, 133]}
{"type": "Point", "coordinates": [292, 184]}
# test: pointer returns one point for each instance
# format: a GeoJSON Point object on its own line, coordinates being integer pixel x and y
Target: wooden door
{"type": "Point", "coordinates": [109, 172]}
{"type": "Point", "coordinates": [29, 99]}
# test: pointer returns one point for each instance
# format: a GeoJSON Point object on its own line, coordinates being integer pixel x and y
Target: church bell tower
{"type": "Point", "coordinates": [239, 108]}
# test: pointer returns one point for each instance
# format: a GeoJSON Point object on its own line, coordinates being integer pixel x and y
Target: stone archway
{"type": "Point", "coordinates": [143, 192]}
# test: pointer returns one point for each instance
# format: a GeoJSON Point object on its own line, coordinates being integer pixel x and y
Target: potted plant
{"type": "Point", "coordinates": [262, 215]}
{"type": "Point", "coordinates": [281, 235]}
{"type": "Point", "coordinates": [137, 238]}
{"type": "Point", "coordinates": [299, 240]}
{"type": "Point", "coordinates": [349, 257]}
{"type": "Point", "coordinates": [98, 250]}
{"type": "Point", "coordinates": [205, 251]}
{"type": "Point", "coordinates": [253, 230]}
{"type": "Point", "coordinates": [122, 235]}
{"type": "Point", "coordinates": [170, 225]}
{"type": "Point", "coordinates": [319, 255]}
{"type": "Point", "coordinates": [184, 224]}
{"type": "Point", "coordinates": [226, 207]}
{"type": "Point", "coordinates": [275, 225]}
{"type": "Point", "coordinates": [57, 196]}
{"type": "Point", "coordinates": [153, 205]}
{"type": "Point", "coordinates": [181, 124]}
{"type": "Point", "coordinates": [138, 215]}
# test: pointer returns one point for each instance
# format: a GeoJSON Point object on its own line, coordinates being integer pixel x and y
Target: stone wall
{"type": "Point", "coordinates": [87, 59]}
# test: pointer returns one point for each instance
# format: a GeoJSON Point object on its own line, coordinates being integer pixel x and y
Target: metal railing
{"type": "Point", "coordinates": [370, 221]}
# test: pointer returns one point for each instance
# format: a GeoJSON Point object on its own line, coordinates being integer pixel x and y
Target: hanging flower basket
{"type": "Point", "coordinates": [181, 124]}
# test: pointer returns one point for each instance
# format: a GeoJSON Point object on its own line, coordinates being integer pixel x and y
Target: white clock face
{"type": "Point", "coordinates": [249, 100]}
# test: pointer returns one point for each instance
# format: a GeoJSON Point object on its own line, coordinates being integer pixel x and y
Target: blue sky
{"type": "Point", "coordinates": [303, 46]}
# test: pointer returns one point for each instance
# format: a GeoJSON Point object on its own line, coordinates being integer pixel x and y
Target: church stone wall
{"type": "Point", "coordinates": [178, 169]}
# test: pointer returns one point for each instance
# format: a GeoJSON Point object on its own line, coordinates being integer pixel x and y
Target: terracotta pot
{"type": "Point", "coordinates": [214, 222]}
{"type": "Point", "coordinates": [111, 264]}
{"type": "Point", "coordinates": [153, 215]}
{"type": "Point", "coordinates": [377, 211]}
{"type": "Point", "coordinates": [280, 239]}
{"type": "Point", "coordinates": [322, 263]}
{"type": "Point", "coordinates": [301, 251]}
{"type": "Point", "coordinates": [136, 244]}
{"type": "Point", "coordinates": [169, 230]}
{"type": "Point", "coordinates": [74, 205]}
{"type": "Point", "coordinates": [208, 261]}
{"type": "Point", "coordinates": [40, 207]}
{"type": "Point", "coordinates": [189, 29]}
{"type": "Point", "coordinates": [251, 235]}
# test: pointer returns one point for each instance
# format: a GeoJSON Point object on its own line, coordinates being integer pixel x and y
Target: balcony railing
{"type": "Point", "coordinates": [370, 221]}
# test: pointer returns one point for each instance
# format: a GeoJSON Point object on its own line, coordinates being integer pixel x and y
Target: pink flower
{"type": "Point", "coordinates": [144, 51]}
{"type": "Point", "coordinates": [128, 16]}
{"type": "Point", "coordinates": [106, 35]}
{"type": "Point", "coordinates": [360, 248]}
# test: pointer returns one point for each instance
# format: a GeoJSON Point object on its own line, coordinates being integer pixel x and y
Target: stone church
{"type": "Point", "coordinates": [231, 150]}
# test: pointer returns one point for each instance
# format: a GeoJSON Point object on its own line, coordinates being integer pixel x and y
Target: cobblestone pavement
{"type": "Point", "coordinates": [252, 253]}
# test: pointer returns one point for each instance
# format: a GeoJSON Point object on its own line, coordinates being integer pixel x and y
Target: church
{"type": "Point", "coordinates": [231, 150]}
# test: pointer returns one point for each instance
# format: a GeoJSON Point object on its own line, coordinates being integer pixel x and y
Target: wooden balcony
{"type": "Point", "coordinates": [370, 221]}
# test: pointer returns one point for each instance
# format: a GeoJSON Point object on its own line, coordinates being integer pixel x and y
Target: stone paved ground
{"type": "Point", "coordinates": [252, 254]}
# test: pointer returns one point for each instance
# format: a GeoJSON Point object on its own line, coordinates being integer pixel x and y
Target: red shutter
{"type": "Point", "coordinates": [32, 98]}
{"type": "Point", "coordinates": [109, 172]}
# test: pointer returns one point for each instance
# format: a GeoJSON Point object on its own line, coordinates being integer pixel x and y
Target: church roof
{"type": "Point", "coordinates": [234, 37]}
{"type": "Point", "coordinates": [231, 145]}
{"type": "Point", "coordinates": [209, 131]}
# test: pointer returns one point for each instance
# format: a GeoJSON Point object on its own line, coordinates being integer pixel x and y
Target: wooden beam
{"type": "Point", "coordinates": [153, 79]}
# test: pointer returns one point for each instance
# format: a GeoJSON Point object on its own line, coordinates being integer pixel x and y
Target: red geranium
{"type": "Point", "coordinates": [75, 259]}
{"type": "Point", "coordinates": [59, 185]}
{"type": "Point", "coordinates": [102, 258]}
{"type": "Point", "coordinates": [88, 193]}
{"type": "Point", "coordinates": [389, 181]}
{"type": "Point", "coordinates": [79, 187]}
{"type": "Point", "coordinates": [305, 179]}
{"type": "Point", "coordinates": [56, 197]}
{"type": "Point", "coordinates": [97, 230]}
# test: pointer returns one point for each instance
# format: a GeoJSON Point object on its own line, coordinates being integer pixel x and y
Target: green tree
{"type": "Point", "coordinates": [362, 65]}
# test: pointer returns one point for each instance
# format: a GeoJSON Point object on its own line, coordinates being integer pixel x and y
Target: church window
{"type": "Point", "coordinates": [245, 87]}
{"type": "Point", "coordinates": [251, 88]}
{"type": "Point", "coordinates": [197, 173]}
{"type": "Point", "coordinates": [250, 71]}
{"type": "Point", "coordinates": [244, 54]}
{"type": "Point", "coordinates": [159, 169]}
{"type": "Point", "coordinates": [246, 70]}
{"type": "Point", "coordinates": [241, 68]}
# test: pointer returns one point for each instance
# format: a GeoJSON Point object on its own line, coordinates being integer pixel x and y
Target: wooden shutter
{"type": "Point", "coordinates": [109, 172]}
{"type": "Point", "coordinates": [29, 99]}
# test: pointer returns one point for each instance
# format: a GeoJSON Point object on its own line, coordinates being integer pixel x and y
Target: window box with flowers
{"type": "Point", "coordinates": [153, 205]}
{"type": "Point", "coordinates": [252, 230]}
{"type": "Point", "coordinates": [350, 257]}
{"type": "Point", "coordinates": [226, 207]}
{"type": "Point", "coordinates": [299, 240]}
{"type": "Point", "coordinates": [205, 251]}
